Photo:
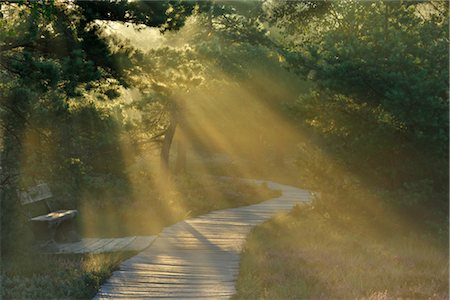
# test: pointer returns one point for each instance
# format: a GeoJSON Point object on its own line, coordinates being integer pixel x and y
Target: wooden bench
{"type": "Point", "coordinates": [46, 223]}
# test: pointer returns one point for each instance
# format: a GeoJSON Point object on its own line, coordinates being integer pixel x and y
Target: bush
{"type": "Point", "coordinates": [377, 115]}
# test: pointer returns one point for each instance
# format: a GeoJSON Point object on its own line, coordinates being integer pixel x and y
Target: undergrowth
{"type": "Point", "coordinates": [155, 209]}
{"type": "Point", "coordinates": [310, 254]}
{"type": "Point", "coordinates": [40, 276]}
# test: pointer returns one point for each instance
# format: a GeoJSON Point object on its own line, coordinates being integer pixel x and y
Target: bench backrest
{"type": "Point", "coordinates": [34, 194]}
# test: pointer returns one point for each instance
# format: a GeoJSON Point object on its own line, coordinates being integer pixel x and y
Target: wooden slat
{"type": "Point", "coordinates": [114, 245]}
{"type": "Point", "coordinates": [34, 194]}
{"type": "Point", "coordinates": [59, 215]}
{"type": "Point", "coordinates": [98, 245]}
{"type": "Point", "coordinates": [77, 247]}
{"type": "Point", "coordinates": [140, 243]}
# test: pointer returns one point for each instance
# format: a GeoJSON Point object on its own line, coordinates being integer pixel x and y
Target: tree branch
{"type": "Point", "coordinates": [23, 118]}
{"type": "Point", "coordinates": [11, 46]}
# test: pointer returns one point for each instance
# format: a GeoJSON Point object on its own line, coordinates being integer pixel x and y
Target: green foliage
{"type": "Point", "coordinates": [293, 16]}
{"type": "Point", "coordinates": [167, 15]}
{"type": "Point", "coordinates": [55, 59]}
{"type": "Point", "coordinates": [385, 55]}
{"type": "Point", "coordinates": [379, 107]}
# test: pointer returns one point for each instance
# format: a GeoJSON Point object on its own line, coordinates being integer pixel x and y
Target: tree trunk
{"type": "Point", "coordinates": [180, 165]}
{"type": "Point", "coordinates": [11, 217]}
{"type": "Point", "coordinates": [386, 21]}
{"type": "Point", "coordinates": [167, 143]}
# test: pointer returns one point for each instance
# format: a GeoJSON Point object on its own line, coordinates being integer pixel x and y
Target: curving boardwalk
{"type": "Point", "coordinates": [197, 258]}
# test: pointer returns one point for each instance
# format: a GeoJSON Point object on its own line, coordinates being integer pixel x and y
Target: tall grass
{"type": "Point", "coordinates": [30, 275]}
{"type": "Point", "coordinates": [309, 254]}
{"type": "Point", "coordinates": [151, 211]}
{"type": "Point", "coordinates": [39, 276]}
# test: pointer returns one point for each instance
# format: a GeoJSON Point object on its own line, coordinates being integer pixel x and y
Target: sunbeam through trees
{"type": "Point", "coordinates": [133, 112]}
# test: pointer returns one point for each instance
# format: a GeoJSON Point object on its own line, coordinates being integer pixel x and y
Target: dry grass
{"type": "Point", "coordinates": [39, 276]}
{"type": "Point", "coordinates": [150, 212]}
{"type": "Point", "coordinates": [308, 255]}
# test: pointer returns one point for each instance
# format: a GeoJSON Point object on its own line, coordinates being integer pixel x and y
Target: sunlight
{"type": "Point", "coordinates": [229, 117]}
{"type": "Point", "coordinates": [145, 118]}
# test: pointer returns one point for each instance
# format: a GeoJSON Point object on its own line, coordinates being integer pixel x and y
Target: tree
{"type": "Point", "coordinates": [163, 73]}
{"type": "Point", "coordinates": [53, 54]}
{"type": "Point", "coordinates": [378, 65]}
{"type": "Point", "coordinates": [219, 42]}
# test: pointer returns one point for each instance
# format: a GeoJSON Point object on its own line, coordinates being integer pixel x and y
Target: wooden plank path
{"type": "Point", "coordinates": [197, 258]}
{"type": "Point", "coordinates": [99, 245]}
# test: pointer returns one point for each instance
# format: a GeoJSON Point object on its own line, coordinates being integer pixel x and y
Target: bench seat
{"type": "Point", "coordinates": [59, 215]}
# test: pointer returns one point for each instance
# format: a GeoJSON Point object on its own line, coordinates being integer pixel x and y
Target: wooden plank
{"type": "Point", "coordinates": [115, 245]}
{"type": "Point", "coordinates": [101, 246]}
{"type": "Point", "coordinates": [59, 215]}
{"type": "Point", "coordinates": [188, 265]}
{"type": "Point", "coordinates": [123, 294]}
{"type": "Point", "coordinates": [163, 297]}
{"type": "Point", "coordinates": [167, 282]}
{"type": "Point", "coordinates": [174, 276]}
{"type": "Point", "coordinates": [161, 290]}
{"type": "Point", "coordinates": [178, 292]}
{"type": "Point", "coordinates": [140, 243]}
{"type": "Point", "coordinates": [210, 270]}
{"type": "Point", "coordinates": [76, 247]}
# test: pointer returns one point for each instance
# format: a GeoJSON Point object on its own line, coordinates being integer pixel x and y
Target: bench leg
{"type": "Point", "coordinates": [66, 232]}
{"type": "Point", "coordinates": [60, 231]}
{"type": "Point", "coordinates": [41, 231]}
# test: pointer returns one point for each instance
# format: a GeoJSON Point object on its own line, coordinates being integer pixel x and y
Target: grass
{"type": "Point", "coordinates": [39, 276]}
{"type": "Point", "coordinates": [310, 255]}
{"type": "Point", "coordinates": [148, 213]}
{"type": "Point", "coordinates": [30, 275]}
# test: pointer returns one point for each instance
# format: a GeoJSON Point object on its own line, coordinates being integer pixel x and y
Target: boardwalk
{"type": "Point", "coordinates": [197, 258]}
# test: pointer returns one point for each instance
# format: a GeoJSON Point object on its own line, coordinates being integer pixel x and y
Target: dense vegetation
{"type": "Point", "coordinates": [113, 102]}
{"type": "Point", "coordinates": [308, 254]}
{"type": "Point", "coordinates": [377, 120]}
{"type": "Point", "coordinates": [381, 98]}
